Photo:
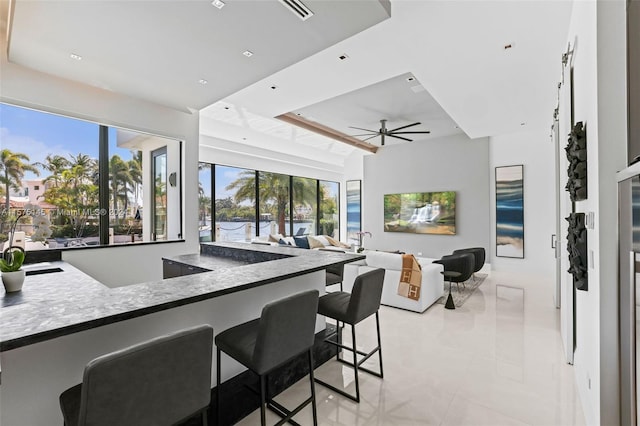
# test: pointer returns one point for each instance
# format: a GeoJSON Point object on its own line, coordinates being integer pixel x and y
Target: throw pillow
{"type": "Point", "coordinates": [323, 240]}
{"type": "Point", "coordinates": [274, 238]}
{"type": "Point", "coordinates": [290, 241]}
{"type": "Point", "coordinates": [314, 242]}
{"type": "Point", "coordinates": [337, 243]}
{"type": "Point", "coordinates": [302, 242]}
{"type": "Point", "coordinates": [283, 242]}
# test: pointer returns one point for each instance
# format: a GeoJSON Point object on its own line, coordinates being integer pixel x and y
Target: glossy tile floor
{"type": "Point", "coordinates": [497, 360]}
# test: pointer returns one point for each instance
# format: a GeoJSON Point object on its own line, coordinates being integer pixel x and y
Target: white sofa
{"type": "Point", "coordinates": [432, 286]}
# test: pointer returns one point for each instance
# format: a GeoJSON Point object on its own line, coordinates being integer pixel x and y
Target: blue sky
{"type": "Point", "coordinates": [37, 134]}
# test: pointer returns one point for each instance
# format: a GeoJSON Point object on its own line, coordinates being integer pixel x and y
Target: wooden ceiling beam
{"type": "Point", "coordinates": [323, 130]}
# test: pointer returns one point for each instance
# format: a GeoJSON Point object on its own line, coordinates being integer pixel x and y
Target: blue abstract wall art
{"type": "Point", "coordinates": [510, 211]}
{"type": "Point", "coordinates": [354, 216]}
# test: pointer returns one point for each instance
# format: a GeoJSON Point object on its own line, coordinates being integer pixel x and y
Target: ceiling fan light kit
{"type": "Point", "coordinates": [383, 132]}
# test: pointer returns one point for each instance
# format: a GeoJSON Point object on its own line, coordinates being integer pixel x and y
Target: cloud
{"type": "Point", "coordinates": [34, 149]}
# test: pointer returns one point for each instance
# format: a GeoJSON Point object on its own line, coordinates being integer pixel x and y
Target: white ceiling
{"type": "Point", "coordinates": [158, 50]}
{"type": "Point", "coordinates": [456, 49]}
{"type": "Point", "coordinates": [400, 100]}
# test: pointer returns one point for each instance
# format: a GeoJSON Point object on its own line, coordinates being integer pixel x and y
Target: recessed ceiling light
{"type": "Point", "coordinates": [522, 124]}
{"type": "Point", "coordinates": [75, 56]}
{"type": "Point", "coordinates": [298, 114]}
{"type": "Point", "coordinates": [226, 107]}
{"type": "Point", "coordinates": [508, 46]}
{"type": "Point", "coordinates": [273, 87]}
{"type": "Point", "coordinates": [218, 3]}
{"type": "Point", "coordinates": [202, 81]}
{"type": "Point", "coordinates": [247, 53]}
{"type": "Point", "coordinates": [343, 57]}
{"type": "Point", "coordinates": [410, 79]}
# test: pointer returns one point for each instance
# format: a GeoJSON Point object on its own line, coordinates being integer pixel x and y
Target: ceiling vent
{"type": "Point", "coordinates": [297, 8]}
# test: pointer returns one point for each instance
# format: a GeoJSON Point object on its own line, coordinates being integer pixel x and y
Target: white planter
{"type": "Point", "coordinates": [13, 280]}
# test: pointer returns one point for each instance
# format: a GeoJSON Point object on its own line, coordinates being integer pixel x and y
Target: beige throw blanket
{"type": "Point", "coordinates": [410, 277]}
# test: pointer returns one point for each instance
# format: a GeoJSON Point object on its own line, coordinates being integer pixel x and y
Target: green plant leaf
{"type": "Point", "coordinates": [17, 258]}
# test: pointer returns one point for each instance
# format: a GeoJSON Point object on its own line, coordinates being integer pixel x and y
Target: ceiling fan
{"type": "Point", "coordinates": [388, 132]}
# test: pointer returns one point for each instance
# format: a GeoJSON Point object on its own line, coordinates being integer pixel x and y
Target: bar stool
{"type": "Point", "coordinates": [285, 329]}
{"type": "Point", "coordinates": [161, 381]}
{"type": "Point", "coordinates": [334, 275]}
{"type": "Point", "coordinates": [363, 302]}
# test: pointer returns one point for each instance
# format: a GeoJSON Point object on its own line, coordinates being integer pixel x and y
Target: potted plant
{"type": "Point", "coordinates": [11, 262]}
{"type": "Point", "coordinates": [12, 275]}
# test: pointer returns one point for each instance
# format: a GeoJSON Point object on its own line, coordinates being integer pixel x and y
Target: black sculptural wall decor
{"type": "Point", "coordinates": [577, 248]}
{"type": "Point", "coordinates": [577, 155]}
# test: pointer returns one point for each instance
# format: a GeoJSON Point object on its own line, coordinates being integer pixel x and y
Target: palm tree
{"type": "Point", "coordinates": [135, 170]}
{"type": "Point", "coordinates": [120, 178]}
{"type": "Point", "coordinates": [13, 165]}
{"type": "Point", "coordinates": [273, 188]}
{"type": "Point", "coordinates": [54, 164]}
{"type": "Point", "coordinates": [73, 190]}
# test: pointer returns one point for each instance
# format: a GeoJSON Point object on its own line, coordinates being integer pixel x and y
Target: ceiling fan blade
{"type": "Point", "coordinates": [371, 137]}
{"type": "Point", "coordinates": [366, 134]}
{"type": "Point", "coordinates": [366, 130]}
{"type": "Point", "coordinates": [399, 137]}
{"type": "Point", "coordinates": [404, 127]}
{"type": "Point", "coordinates": [408, 133]}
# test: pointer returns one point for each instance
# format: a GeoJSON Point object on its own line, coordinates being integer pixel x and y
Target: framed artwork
{"type": "Point", "coordinates": [354, 213]}
{"type": "Point", "coordinates": [510, 211]}
{"type": "Point", "coordinates": [421, 213]}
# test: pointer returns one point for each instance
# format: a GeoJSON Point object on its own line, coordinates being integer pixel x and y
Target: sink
{"type": "Point", "coordinates": [43, 271]}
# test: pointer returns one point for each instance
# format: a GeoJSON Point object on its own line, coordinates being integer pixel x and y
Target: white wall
{"type": "Point", "coordinates": [598, 30]}
{"type": "Point", "coordinates": [31, 89]}
{"type": "Point", "coordinates": [453, 163]}
{"type": "Point", "coordinates": [535, 151]}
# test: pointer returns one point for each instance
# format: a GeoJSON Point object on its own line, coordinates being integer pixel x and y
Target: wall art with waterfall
{"type": "Point", "coordinates": [421, 212]}
{"type": "Point", "coordinates": [510, 211]}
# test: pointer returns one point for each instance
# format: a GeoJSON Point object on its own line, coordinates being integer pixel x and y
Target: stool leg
{"type": "Point", "coordinates": [313, 389]}
{"type": "Point", "coordinates": [338, 339]}
{"type": "Point", "coordinates": [379, 344]}
{"type": "Point", "coordinates": [355, 361]}
{"type": "Point", "coordinates": [263, 400]}
{"type": "Point", "coordinates": [218, 406]}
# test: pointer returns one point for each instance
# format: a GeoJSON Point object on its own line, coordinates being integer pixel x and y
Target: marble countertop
{"type": "Point", "coordinates": [61, 303]}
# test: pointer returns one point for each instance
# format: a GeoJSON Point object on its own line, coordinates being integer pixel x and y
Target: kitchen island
{"type": "Point", "coordinates": [62, 320]}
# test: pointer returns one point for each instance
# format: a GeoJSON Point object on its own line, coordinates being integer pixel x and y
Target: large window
{"type": "Point", "coordinates": [235, 204]}
{"type": "Point", "coordinates": [204, 202]}
{"type": "Point", "coordinates": [83, 184]}
{"type": "Point", "coordinates": [329, 208]}
{"type": "Point", "coordinates": [250, 203]}
{"type": "Point", "coordinates": [275, 197]}
{"type": "Point", "coordinates": [305, 206]}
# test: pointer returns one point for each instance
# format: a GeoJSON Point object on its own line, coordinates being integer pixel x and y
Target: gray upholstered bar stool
{"type": "Point", "coordinates": [285, 329]}
{"type": "Point", "coordinates": [351, 308]}
{"type": "Point", "coordinates": [158, 382]}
